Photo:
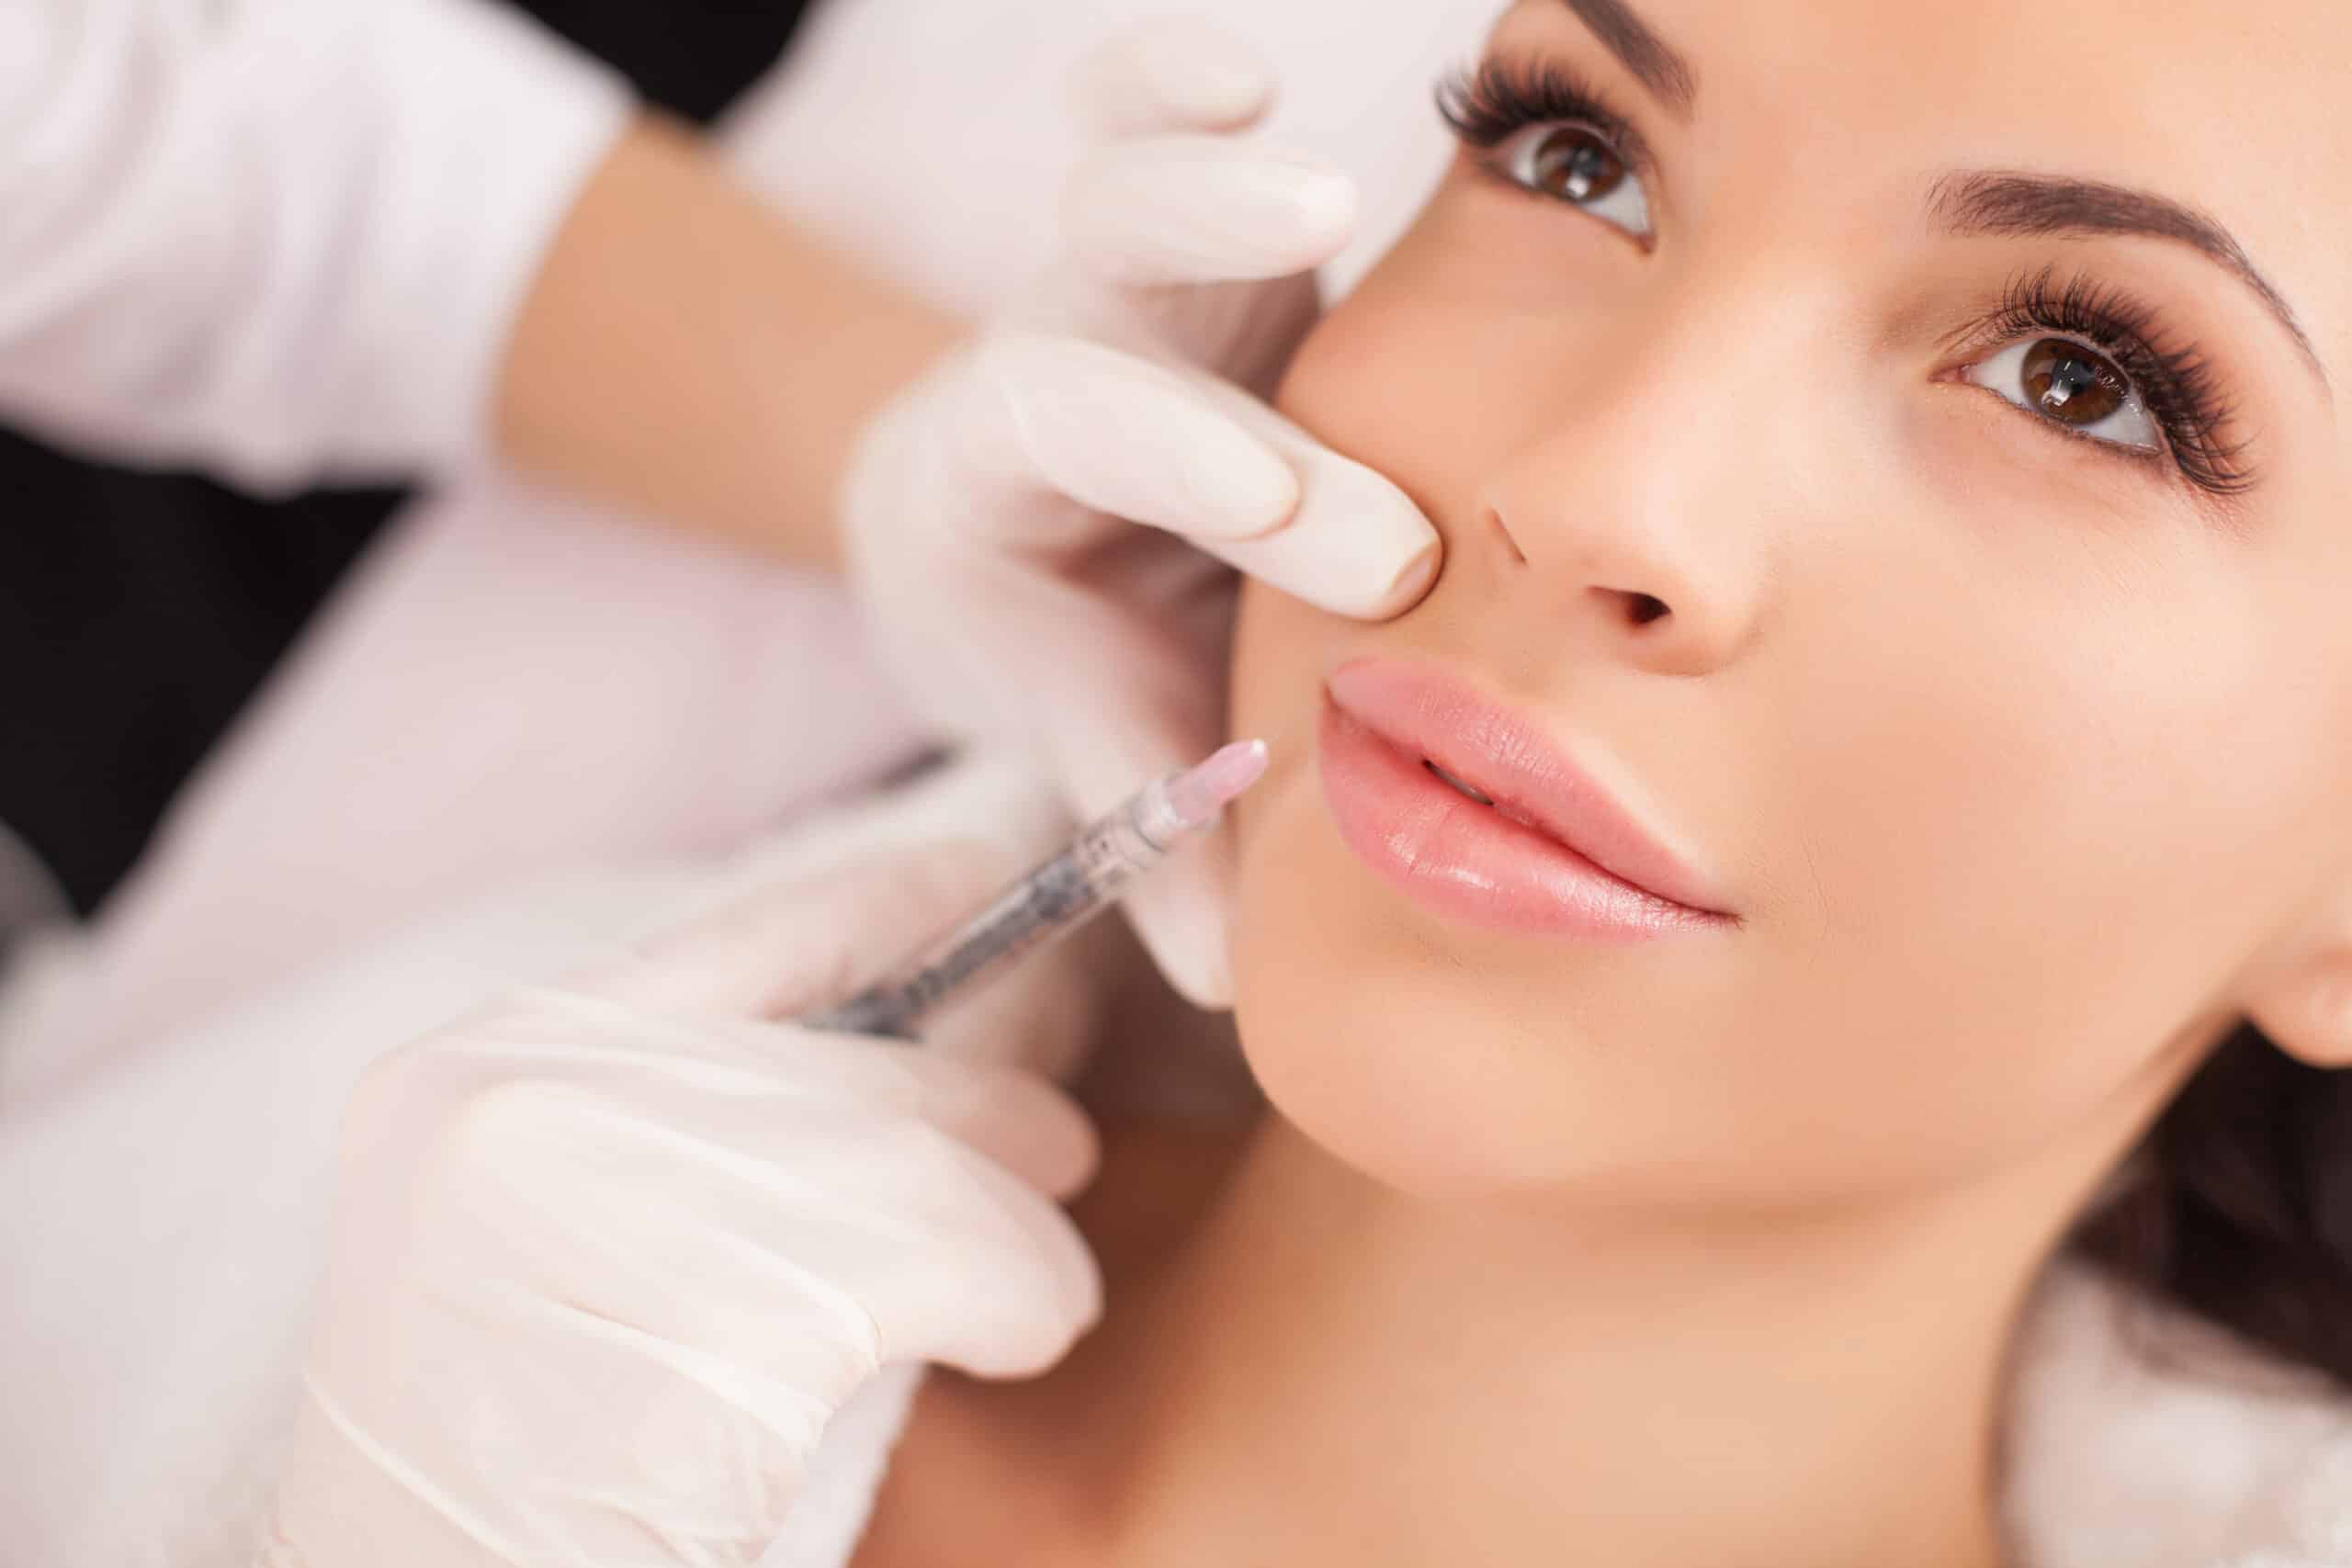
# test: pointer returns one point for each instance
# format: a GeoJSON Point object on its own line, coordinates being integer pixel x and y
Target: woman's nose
{"type": "Point", "coordinates": [1638, 511]}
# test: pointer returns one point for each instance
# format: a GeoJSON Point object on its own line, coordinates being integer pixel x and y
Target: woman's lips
{"type": "Point", "coordinates": [1545, 851]}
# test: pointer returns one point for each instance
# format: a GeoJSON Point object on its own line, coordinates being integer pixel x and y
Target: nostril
{"type": "Point", "coordinates": [1645, 608]}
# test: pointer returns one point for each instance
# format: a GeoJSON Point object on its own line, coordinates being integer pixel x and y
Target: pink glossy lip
{"type": "Point", "coordinates": [1553, 853]}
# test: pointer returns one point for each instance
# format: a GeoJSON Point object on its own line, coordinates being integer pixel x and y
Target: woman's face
{"type": "Point", "coordinates": [1949, 575]}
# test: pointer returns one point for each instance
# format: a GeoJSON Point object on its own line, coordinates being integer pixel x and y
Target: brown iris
{"type": "Point", "coordinates": [2071, 384]}
{"type": "Point", "coordinates": [1576, 165]}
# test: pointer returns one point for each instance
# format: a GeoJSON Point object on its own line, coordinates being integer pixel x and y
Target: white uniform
{"type": "Point", "coordinates": [282, 238]}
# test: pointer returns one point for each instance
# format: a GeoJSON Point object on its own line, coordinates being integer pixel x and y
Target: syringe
{"type": "Point", "coordinates": [1057, 898]}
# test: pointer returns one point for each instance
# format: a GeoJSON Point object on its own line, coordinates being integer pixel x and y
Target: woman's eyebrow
{"type": "Point", "coordinates": [1994, 202]}
{"type": "Point", "coordinates": [1650, 59]}
{"type": "Point", "coordinates": [1979, 202]}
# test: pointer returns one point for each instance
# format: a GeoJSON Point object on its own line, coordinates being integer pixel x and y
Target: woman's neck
{"type": "Point", "coordinates": [1324, 1368]}
{"type": "Point", "coordinates": [1298, 1364]}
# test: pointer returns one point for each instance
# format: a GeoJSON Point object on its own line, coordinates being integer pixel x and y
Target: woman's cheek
{"type": "Point", "coordinates": [1332, 385]}
{"type": "Point", "coordinates": [1400, 355]}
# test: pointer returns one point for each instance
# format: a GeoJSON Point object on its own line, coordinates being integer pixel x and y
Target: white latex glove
{"type": "Point", "coordinates": [988, 514]}
{"type": "Point", "coordinates": [607, 1255]}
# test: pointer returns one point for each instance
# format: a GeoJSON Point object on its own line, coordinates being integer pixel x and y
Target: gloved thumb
{"type": "Point", "coordinates": [1181, 916]}
{"type": "Point", "coordinates": [1179, 910]}
{"type": "Point", "coordinates": [1182, 451]}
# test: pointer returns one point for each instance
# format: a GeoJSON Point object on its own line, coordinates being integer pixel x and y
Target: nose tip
{"type": "Point", "coordinates": [1677, 603]}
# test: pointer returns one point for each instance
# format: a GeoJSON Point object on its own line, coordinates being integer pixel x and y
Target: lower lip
{"type": "Point", "coordinates": [1458, 857]}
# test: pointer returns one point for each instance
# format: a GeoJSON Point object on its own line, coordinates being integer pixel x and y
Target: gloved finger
{"type": "Point", "coordinates": [1180, 913]}
{"type": "Point", "coordinates": [945, 1253]}
{"type": "Point", "coordinates": [1183, 917]}
{"type": "Point", "coordinates": [743, 1080]}
{"type": "Point", "coordinates": [1180, 450]}
{"type": "Point", "coordinates": [1191, 209]}
{"type": "Point", "coordinates": [1147, 711]}
{"type": "Point", "coordinates": [1170, 73]}
{"type": "Point", "coordinates": [797, 946]}
{"type": "Point", "coordinates": [576, 1241]}
{"type": "Point", "coordinates": [1012, 1286]}
{"type": "Point", "coordinates": [1047, 415]}
{"type": "Point", "coordinates": [1355, 544]}
{"type": "Point", "coordinates": [846, 1241]}
{"type": "Point", "coordinates": [1014, 1119]}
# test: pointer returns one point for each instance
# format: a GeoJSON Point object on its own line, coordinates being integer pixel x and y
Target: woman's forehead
{"type": "Point", "coordinates": [2028, 34]}
{"type": "Point", "coordinates": [2108, 68]}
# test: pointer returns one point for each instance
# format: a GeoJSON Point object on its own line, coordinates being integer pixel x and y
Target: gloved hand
{"type": "Point", "coordinates": [987, 516]}
{"type": "Point", "coordinates": [607, 1255]}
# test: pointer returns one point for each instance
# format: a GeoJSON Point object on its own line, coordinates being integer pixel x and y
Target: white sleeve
{"type": "Point", "coordinates": [284, 239]}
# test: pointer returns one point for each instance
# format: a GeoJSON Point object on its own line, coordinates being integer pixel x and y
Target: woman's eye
{"type": "Point", "coordinates": [2071, 386]}
{"type": "Point", "coordinates": [1573, 163]}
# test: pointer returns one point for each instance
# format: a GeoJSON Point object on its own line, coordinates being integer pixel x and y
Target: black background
{"type": "Point", "coordinates": [139, 611]}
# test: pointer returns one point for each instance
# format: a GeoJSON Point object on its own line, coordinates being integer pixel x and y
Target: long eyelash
{"type": "Point", "coordinates": [1487, 104]}
{"type": "Point", "coordinates": [2176, 383]}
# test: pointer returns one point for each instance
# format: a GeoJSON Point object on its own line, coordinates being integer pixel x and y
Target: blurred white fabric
{"type": "Point", "coordinates": [283, 238]}
{"type": "Point", "coordinates": [2147, 1437]}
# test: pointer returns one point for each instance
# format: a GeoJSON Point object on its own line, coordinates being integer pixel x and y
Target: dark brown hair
{"type": "Point", "coordinates": [2238, 1204]}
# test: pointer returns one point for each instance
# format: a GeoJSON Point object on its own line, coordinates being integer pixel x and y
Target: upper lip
{"type": "Point", "coordinates": [1431, 715]}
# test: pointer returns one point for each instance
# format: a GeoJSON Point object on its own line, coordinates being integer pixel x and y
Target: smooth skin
{"type": "Point", "coordinates": [2022, 760]}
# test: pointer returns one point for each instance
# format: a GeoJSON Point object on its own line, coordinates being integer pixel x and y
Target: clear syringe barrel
{"type": "Point", "coordinates": [1050, 902]}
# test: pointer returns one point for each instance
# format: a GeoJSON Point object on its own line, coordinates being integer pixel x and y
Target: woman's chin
{"type": "Point", "coordinates": [1374, 1043]}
